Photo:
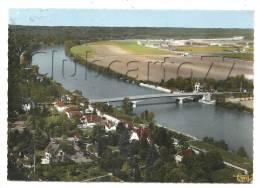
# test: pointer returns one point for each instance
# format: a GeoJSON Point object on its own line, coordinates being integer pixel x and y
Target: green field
{"type": "Point", "coordinates": [133, 48]}
{"type": "Point", "coordinates": [80, 51]}
{"type": "Point", "coordinates": [227, 156]}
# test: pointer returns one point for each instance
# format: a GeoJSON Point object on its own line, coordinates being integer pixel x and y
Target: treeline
{"type": "Point", "coordinates": [69, 44]}
{"type": "Point", "coordinates": [236, 106]}
{"type": "Point", "coordinates": [234, 84]}
{"type": "Point", "coordinates": [60, 34]}
{"type": "Point", "coordinates": [221, 143]}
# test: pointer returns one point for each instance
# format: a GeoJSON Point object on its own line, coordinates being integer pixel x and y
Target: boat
{"type": "Point", "coordinates": [206, 99]}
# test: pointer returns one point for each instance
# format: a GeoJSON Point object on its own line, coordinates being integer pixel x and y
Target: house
{"type": "Point", "coordinates": [115, 121]}
{"type": "Point", "coordinates": [178, 158]}
{"type": "Point", "coordinates": [134, 136]}
{"type": "Point", "coordinates": [90, 118]}
{"type": "Point", "coordinates": [60, 156]}
{"type": "Point", "coordinates": [89, 121]}
{"type": "Point", "coordinates": [65, 98]}
{"type": "Point", "coordinates": [40, 77]}
{"type": "Point", "coordinates": [26, 107]}
{"type": "Point", "coordinates": [73, 114]}
{"type": "Point", "coordinates": [184, 153]}
{"type": "Point", "coordinates": [88, 111]}
{"type": "Point", "coordinates": [110, 128]}
{"type": "Point", "coordinates": [46, 159]}
{"type": "Point", "coordinates": [187, 152]}
{"type": "Point", "coordinates": [86, 125]}
{"type": "Point", "coordinates": [55, 153]}
{"type": "Point", "coordinates": [59, 105]}
{"type": "Point", "coordinates": [175, 142]}
{"type": "Point", "coordinates": [71, 108]}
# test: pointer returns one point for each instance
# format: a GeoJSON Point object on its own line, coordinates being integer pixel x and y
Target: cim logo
{"type": "Point", "coordinates": [241, 178]}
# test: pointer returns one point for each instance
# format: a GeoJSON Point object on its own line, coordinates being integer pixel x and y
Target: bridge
{"type": "Point", "coordinates": [206, 96]}
{"type": "Point", "coordinates": [150, 96]}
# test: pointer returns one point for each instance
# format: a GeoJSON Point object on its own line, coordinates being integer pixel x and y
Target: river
{"type": "Point", "coordinates": [196, 119]}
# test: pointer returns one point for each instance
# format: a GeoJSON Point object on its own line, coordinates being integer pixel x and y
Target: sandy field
{"type": "Point", "coordinates": [139, 64]}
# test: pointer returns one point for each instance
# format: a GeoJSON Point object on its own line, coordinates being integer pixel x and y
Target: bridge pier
{"type": "Point", "coordinates": [134, 103]}
{"type": "Point", "coordinates": [180, 100]}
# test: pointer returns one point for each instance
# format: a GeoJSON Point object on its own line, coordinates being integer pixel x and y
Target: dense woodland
{"type": "Point", "coordinates": [61, 34]}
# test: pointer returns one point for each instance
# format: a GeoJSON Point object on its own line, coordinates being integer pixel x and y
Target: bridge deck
{"type": "Point", "coordinates": [148, 96]}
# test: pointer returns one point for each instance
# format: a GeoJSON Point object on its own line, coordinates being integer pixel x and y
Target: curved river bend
{"type": "Point", "coordinates": [196, 119]}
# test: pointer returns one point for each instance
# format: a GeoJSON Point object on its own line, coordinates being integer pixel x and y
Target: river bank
{"type": "Point", "coordinates": [240, 106]}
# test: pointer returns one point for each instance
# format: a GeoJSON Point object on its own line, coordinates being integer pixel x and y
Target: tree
{"type": "Point", "coordinates": [67, 148]}
{"type": "Point", "coordinates": [147, 116]}
{"type": "Point", "coordinates": [101, 145]}
{"type": "Point", "coordinates": [125, 169]}
{"type": "Point", "coordinates": [124, 143]}
{"type": "Point", "coordinates": [178, 174]}
{"type": "Point", "coordinates": [213, 160]}
{"type": "Point", "coordinates": [120, 128]}
{"type": "Point", "coordinates": [162, 137]}
{"type": "Point", "coordinates": [127, 106]}
{"type": "Point", "coordinates": [242, 152]}
{"type": "Point", "coordinates": [152, 156]}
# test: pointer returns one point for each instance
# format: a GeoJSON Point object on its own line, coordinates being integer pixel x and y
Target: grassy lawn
{"type": "Point", "coordinates": [131, 47]}
{"type": "Point", "coordinates": [209, 49]}
{"type": "Point", "coordinates": [80, 51]}
{"type": "Point", "coordinates": [227, 156]}
{"type": "Point", "coordinates": [134, 48]}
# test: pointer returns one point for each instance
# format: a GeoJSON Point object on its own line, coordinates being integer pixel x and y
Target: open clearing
{"type": "Point", "coordinates": [122, 52]}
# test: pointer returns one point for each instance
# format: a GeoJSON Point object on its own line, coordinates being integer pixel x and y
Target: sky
{"type": "Point", "coordinates": [132, 18]}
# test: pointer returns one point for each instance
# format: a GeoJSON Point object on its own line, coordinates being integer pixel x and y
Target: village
{"type": "Point", "coordinates": [91, 117]}
{"type": "Point", "coordinates": [86, 147]}
{"type": "Point", "coordinates": [96, 131]}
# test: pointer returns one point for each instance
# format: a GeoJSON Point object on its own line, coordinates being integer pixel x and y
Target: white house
{"type": "Point", "coordinates": [26, 107]}
{"type": "Point", "coordinates": [134, 136]}
{"type": "Point", "coordinates": [115, 121]}
{"type": "Point", "coordinates": [46, 159]}
{"type": "Point", "coordinates": [110, 129]}
{"type": "Point", "coordinates": [178, 158]}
